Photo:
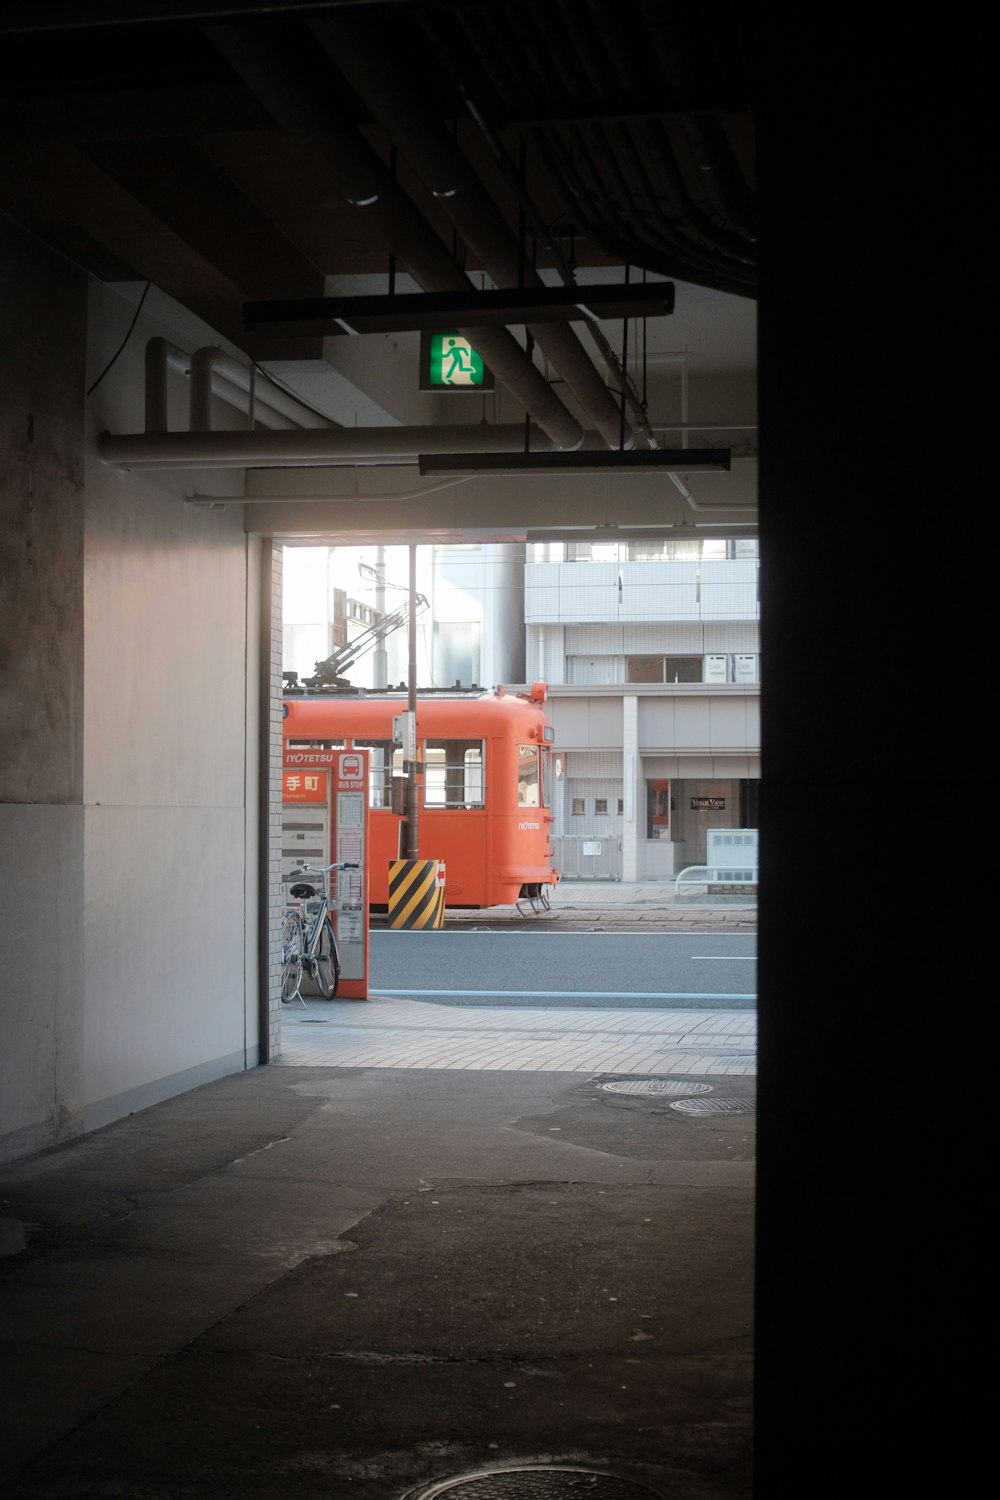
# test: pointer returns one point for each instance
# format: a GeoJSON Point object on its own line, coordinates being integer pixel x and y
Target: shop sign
{"type": "Point", "coordinates": [708, 804]}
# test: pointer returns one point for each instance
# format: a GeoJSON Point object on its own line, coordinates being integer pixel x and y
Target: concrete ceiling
{"type": "Point", "coordinates": [240, 153]}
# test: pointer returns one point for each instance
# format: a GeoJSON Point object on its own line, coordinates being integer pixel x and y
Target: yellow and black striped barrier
{"type": "Point", "coordinates": [416, 893]}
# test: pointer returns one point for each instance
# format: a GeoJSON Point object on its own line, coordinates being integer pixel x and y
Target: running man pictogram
{"type": "Point", "coordinates": [454, 362]}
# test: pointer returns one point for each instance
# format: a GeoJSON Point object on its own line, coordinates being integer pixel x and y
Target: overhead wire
{"type": "Point", "coordinates": [124, 341]}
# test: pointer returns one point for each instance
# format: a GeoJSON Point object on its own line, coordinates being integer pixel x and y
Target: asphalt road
{"type": "Point", "coordinates": [562, 969]}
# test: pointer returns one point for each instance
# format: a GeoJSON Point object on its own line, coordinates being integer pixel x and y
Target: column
{"type": "Point", "coordinates": [631, 788]}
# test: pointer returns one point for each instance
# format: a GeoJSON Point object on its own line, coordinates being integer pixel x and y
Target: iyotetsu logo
{"type": "Point", "coordinates": [529, 825]}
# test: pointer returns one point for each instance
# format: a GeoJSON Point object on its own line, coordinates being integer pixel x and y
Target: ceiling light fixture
{"type": "Point", "coordinates": [415, 312]}
{"type": "Point", "coordinates": [618, 461]}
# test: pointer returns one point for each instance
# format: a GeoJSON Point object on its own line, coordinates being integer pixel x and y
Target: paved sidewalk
{"type": "Point", "coordinates": [607, 904]}
{"type": "Point", "coordinates": [386, 1033]}
{"type": "Point", "coordinates": [642, 893]}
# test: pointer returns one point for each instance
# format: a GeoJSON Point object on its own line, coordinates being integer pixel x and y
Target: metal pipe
{"type": "Point", "coordinates": [412, 841]}
{"type": "Point", "coordinates": [386, 89]}
{"type": "Point", "coordinates": [217, 375]}
{"type": "Point", "coordinates": [381, 660]}
{"type": "Point", "coordinates": [211, 361]}
{"type": "Point", "coordinates": [298, 103]}
{"type": "Point", "coordinates": [328, 447]}
{"type": "Point", "coordinates": [158, 353]}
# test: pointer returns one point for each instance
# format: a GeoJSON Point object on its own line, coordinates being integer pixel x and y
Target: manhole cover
{"type": "Point", "coordinates": [713, 1106]}
{"type": "Point", "coordinates": [656, 1086]}
{"type": "Point", "coordinates": [537, 1484]}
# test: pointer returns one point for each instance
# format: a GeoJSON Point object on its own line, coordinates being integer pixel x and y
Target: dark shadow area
{"type": "Point", "coordinates": [870, 1206]}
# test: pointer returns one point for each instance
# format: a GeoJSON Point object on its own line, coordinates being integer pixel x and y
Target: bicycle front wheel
{"type": "Point", "coordinates": [326, 964]}
{"type": "Point", "coordinates": [291, 957]}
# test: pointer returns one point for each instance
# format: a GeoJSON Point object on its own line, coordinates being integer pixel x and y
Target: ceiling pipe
{"type": "Point", "coordinates": [299, 104]}
{"type": "Point", "coordinates": [345, 446]}
{"type": "Point", "coordinates": [668, 26]}
{"type": "Point", "coordinates": [490, 39]}
{"type": "Point", "coordinates": [668, 204]}
{"type": "Point", "coordinates": [626, 244]}
{"type": "Point", "coordinates": [224, 378]}
{"type": "Point", "coordinates": [211, 362]}
{"type": "Point", "coordinates": [358, 48]}
{"type": "Point", "coordinates": [567, 272]}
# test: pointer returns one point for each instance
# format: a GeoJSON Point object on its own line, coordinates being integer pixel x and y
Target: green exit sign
{"type": "Point", "coordinates": [448, 362]}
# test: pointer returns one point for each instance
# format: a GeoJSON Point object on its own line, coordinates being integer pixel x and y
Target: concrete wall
{"type": "Point", "coordinates": [128, 763]}
{"type": "Point", "coordinates": [42, 345]}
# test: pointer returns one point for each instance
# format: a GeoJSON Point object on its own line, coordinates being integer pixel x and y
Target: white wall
{"type": "Point", "coordinates": [129, 760]}
{"type": "Point", "coordinates": [170, 981]}
{"type": "Point", "coordinates": [696, 591]}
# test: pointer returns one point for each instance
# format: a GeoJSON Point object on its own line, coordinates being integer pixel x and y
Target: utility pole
{"type": "Point", "coordinates": [410, 737]}
{"type": "Point", "coordinates": [380, 669]}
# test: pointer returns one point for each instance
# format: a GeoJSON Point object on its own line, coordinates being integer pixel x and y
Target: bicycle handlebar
{"type": "Point", "coordinates": [323, 869]}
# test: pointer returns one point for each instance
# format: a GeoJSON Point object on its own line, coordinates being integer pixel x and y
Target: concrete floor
{"type": "Point", "coordinates": [316, 1280]}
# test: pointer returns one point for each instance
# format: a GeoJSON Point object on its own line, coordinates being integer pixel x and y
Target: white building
{"type": "Point", "coordinates": [651, 650]}
{"type": "Point", "coordinates": [469, 631]}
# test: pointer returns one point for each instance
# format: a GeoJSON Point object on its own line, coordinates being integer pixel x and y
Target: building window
{"type": "Point", "coordinates": [456, 652]}
{"type": "Point", "coordinates": [579, 807]}
{"type": "Point", "coordinates": [601, 806]}
{"type": "Point", "coordinates": [664, 668]}
{"type": "Point", "coordinates": [592, 552]}
{"type": "Point", "coordinates": [621, 805]}
{"type": "Point", "coordinates": [657, 809]}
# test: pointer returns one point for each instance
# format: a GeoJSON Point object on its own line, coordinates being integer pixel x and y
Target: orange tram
{"type": "Point", "coordinates": [484, 783]}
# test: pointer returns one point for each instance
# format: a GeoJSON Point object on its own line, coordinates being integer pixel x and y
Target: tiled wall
{"type": "Point", "coordinates": [271, 697]}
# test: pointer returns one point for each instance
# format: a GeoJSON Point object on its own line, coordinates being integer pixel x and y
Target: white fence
{"type": "Point", "coordinates": [580, 856]}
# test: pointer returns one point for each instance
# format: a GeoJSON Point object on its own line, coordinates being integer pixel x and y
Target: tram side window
{"type": "Point", "coordinates": [453, 773]}
{"type": "Point", "coordinates": [528, 776]}
{"type": "Point", "coordinates": [383, 758]}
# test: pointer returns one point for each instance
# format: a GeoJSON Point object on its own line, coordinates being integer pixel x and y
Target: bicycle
{"type": "Point", "coordinates": [308, 944]}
